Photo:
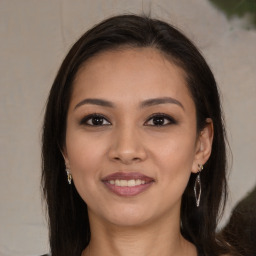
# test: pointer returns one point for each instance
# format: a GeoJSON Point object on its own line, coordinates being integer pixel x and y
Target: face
{"type": "Point", "coordinates": [131, 139]}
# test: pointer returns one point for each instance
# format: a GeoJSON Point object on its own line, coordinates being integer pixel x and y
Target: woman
{"type": "Point", "coordinates": [134, 159]}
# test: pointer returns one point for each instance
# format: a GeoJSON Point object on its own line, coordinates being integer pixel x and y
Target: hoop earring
{"type": "Point", "coordinates": [197, 186]}
{"type": "Point", "coordinates": [69, 176]}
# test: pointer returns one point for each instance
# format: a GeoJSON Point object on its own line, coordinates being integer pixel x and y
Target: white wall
{"type": "Point", "coordinates": [35, 36]}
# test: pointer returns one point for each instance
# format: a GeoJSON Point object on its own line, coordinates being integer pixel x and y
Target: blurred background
{"type": "Point", "coordinates": [35, 36]}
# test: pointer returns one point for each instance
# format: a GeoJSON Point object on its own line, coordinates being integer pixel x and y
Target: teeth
{"type": "Point", "coordinates": [123, 183]}
{"type": "Point", "coordinates": [131, 183]}
{"type": "Point", "coordinates": [127, 183]}
{"type": "Point", "coordinates": [137, 182]}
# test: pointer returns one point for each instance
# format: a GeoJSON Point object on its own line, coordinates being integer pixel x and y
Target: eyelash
{"type": "Point", "coordinates": [85, 120]}
{"type": "Point", "coordinates": [164, 117]}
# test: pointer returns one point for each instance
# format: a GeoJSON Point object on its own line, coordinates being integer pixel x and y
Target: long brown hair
{"type": "Point", "coordinates": [69, 227]}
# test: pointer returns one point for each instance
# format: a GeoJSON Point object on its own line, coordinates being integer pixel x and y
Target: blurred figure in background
{"type": "Point", "coordinates": [241, 228]}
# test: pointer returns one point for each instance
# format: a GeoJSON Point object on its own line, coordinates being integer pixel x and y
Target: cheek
{"type": "Point", "coordinates": [85, 157]}
{"type": "Point", "coordinates": [174, 152]}
{"type": "Point", "coordinates": [174, 160]}
{"type": "Point", "coordinates": [83, 150]}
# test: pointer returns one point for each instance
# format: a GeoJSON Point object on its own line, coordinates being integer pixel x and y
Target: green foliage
{"type": "Point", "coordinates": [237, 8]}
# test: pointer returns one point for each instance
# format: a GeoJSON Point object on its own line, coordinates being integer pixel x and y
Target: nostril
{"type": "Point", "coordinates": [127, 153]}
{"type": "Point", "coordinates": [126, 159]}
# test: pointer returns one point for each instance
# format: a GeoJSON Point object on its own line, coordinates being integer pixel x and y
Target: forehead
{"type": "Point", "coordinates": [126, 55]}
{"type": "Point", "coordinates": [136, 72]}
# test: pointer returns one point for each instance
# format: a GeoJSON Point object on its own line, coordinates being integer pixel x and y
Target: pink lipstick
{"type": "Point", "coordinates": [127, 184]}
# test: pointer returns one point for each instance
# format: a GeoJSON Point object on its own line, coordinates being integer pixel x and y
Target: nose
{"type": "Point", "coordinates": [127, 147]}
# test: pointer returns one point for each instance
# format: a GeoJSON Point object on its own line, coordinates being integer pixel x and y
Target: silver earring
{"type": "Point", "coordinates": [69, 176]}
{"type": "Point", "coordinates": [197, 186]}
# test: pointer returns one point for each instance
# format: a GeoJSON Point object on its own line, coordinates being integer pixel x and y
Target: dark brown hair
{"type": "Point", "coordinates": [69, 228]}
{"type": "Point", "coordinates": [240, 230]}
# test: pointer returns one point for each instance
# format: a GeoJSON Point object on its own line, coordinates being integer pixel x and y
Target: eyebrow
{"type": "Point", "coordinates": [145, 103]}
{"type": "Point", "coordinates": [98, 102]}
{"type": "Point", "coordinates": [164, 100]}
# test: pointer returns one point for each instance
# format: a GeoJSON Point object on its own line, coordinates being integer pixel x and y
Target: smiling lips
{"type": "Point", "coordinates": [127, 184]}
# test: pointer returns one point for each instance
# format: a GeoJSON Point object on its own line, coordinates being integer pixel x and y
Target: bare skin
{"type": "Point", "coordinates": [149, 240]}
{"type": "Point", "coordinates": [131, 112]}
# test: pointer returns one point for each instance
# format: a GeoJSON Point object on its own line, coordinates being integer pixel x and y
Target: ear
{"type": "Point", "coordinates": [65, 156]}
{"type": "Point", "coordinates": [203, 145]}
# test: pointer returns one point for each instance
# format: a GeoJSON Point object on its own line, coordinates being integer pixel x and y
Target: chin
{"type": "Point", "coordinates": [129, 217]}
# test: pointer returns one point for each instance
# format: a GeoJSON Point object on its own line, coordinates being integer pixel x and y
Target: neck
{"type": "Point", "coordinates": [156, 238]}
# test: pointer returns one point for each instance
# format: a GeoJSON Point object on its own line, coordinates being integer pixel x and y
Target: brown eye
{"type": "Point", "coordinates": [160, 120]}
{"type": "Point", "coordinates": [95, 120]}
